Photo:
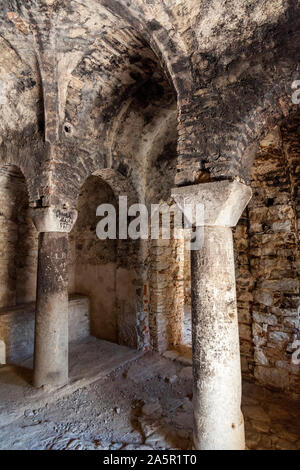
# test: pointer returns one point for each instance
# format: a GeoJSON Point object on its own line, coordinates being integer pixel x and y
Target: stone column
{"type": "Point", "coordinates": [51, 319]}
{"type": "Point", "coordinates": [218, 420]}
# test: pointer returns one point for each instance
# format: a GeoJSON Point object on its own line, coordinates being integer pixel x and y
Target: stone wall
{"type": "Point", "coordinates": [231, 65]}
{"type": "Point", "coordinates": [102, 270]}
{"type": "Point", "coordinates": [17, 328]}
{"type": "Point", "coordinates": [107, 95]}
{"type": "Point", "coordinates": [267, 260]}
{"type": "Point", "coordinates": [266, 242]}
{"type": "Point", "coordinates": [18, 241]}
{"type": "Point", "coordinates": [166, 282]}
{"type": "Point", "coordinates": [93, 262]}
{"type": "Point", "coordinates": [105, 271]}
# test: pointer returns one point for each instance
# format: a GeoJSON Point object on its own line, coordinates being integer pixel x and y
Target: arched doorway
{"type": "Point", "coordinates": [107, 271]}
{"type": "Point", "coordinates": [18, 266]}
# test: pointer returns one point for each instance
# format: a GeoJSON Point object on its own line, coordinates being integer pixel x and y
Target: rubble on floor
{"type": "Point", "coordinates": [141, 406]}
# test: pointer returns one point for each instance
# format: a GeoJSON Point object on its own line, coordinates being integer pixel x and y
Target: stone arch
{"type": "Point", "coordinates": [166, 44]}
{"type": "Point", "coordinates": [110, 272]}
{"type": "Point", "coordinates": [21, 107]}
{"type": "Point", "coordinates": [21, 237]}
{"type": "Point", "coordinates": [83, 153]}
{"type": "Point", "coordinates": [274, 108]}
{"type": "Point", "coordinates": [29, 159]}
{"type": "Point", "coordinates": [20, 96]}
{"type": "Point", "coordinates": [241, 86]}
{"type": "Point", "coordinates": [18, 266]}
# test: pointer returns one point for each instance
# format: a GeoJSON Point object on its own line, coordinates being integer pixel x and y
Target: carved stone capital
{"type": "Point", "coordinates": [223, 202]}
{"type": "Point", "coordinates": [53, 219]}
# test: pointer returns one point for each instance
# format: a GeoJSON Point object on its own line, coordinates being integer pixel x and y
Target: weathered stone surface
{"type": "Point", "coordinates": [277, 378]}
{"type": "Point", "coordinates": [17, 328]}
{"type": "Point", "coordinates": [216, 355]}
{"type": "Point", "coordinates": [166, 283]}
{"type": "Point", "coordinates": [223, 202]}
{"type": "Point", "coordinates": [84, 421]}
{"type": "Point", "coordinates": [267, 262]}
{"type": "Point", "coordinates": [163, 94]}
{"type": "Point", "coordinates": [51, 320]}
{"type": "Point", "coordinates": [171, 355]}
{"type": "Point", "coordinates": [256, 413]}
{"type": "Point", "coordinates": [187, 361]}
{"type": "Point", "coordinates": [186, 373]}
{"type": "Point", "coordinates": [152, 409]}
{"type": "Point", "coordinates": [53, 219]}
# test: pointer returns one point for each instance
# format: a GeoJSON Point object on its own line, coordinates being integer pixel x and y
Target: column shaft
{"type": "Point", "coordinates": [218, 421]}
{"type": "Point", "coordinates": [51, 325]}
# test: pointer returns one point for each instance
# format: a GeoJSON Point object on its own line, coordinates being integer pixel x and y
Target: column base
{"type": "Point", "coordinates": [50, 380]}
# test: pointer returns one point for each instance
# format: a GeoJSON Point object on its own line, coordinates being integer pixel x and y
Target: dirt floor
{"type": "Point", "coordinates": [145, 405]}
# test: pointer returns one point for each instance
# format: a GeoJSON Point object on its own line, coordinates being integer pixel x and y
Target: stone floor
{"type": "Point", "coordinates": [272, 420]}
{"type": "Point", "coordinates": [89, 360]}
{"type": "Point", "coordinates": [145, 404]}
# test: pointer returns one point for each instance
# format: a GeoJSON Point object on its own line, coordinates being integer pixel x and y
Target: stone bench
{"type": "Point", "coordinates": [17, 328]}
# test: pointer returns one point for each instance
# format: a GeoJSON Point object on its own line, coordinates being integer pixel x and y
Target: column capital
{"type": "Point", "coordinates": [223, 202]}
{"type": "Point", "coordinates": [53, 219]}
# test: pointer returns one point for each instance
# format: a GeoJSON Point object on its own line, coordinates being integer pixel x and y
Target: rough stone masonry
{"type": "Point", "coordinates": [153, 99]}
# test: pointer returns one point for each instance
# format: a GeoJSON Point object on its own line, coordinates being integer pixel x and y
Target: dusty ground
{"type": "Point", "coordinates": [90, 360]}
{"type": "Point", "coordinates": [143, 405]}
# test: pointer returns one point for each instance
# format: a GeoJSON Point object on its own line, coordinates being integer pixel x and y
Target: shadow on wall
{"type": "Point", "coordinates": [96, 270]}
{"type": "Point", "coordinates": [18, 266]}
{"type": "Point", "coordinates": [18, 240]}
{"type": "Point", "coordinates": [267, 263]}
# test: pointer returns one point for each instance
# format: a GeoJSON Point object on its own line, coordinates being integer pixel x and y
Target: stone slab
{"type": "Point", "coordinates": [17, 328]}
